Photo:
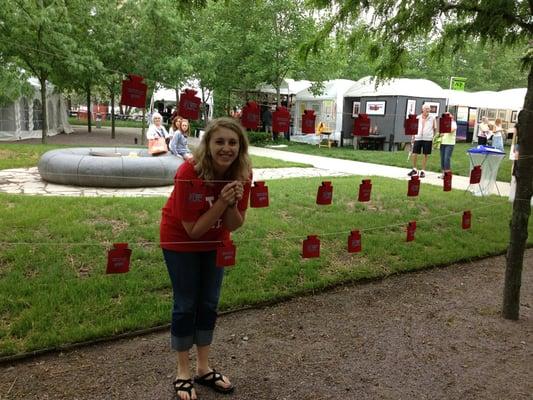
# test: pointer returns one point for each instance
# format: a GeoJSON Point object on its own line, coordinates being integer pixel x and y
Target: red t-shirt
{"type": "Point", "coordinates": [172, 234]}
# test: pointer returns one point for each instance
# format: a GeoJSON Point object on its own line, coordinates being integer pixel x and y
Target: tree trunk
{"type": "Point", "coordinates": [44, 128]}
{"type": "Point", "coordinates": [89, 116]}
{"type": "Point", "coordinates": [113, 110]}
{"type": "Point", "coordinates": [521, 207]}
{"type": "Point", "coordinates": [278, 95]}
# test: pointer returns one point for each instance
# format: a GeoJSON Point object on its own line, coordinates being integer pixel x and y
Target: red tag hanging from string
{"type": "Point", "coordinates": [281, 119]}
{"type": "Point", "coordinates": [411, 125]}
{"type": "Point", "coordinates": [250, 115]}
{"type": "Point", "coordinates": [467, 220]}
{"type": "Point", "coordinates": [475, 175]}
{"type": "Point", "coordinates": [447, 181]}
{"type": "Point", "coordinates": [361, 125]}
{"type": "Point", "coordinates": [445, 123]}
{"type": "Point", "coordinates": [259, 195]}
{"type": "Point", "coordinates": [189, 106]}
{"type": "Point", "coordinates": [324, 195]}
{"type": "Point", "coordinates": [311, 247]}
{"type": "Point", "coordinates": [118, 259]}
{"type": "Point", "coordinates": [194, 193]}
{"type": "Point", "coordinates": [365, 189]}
{"type": "Point", "coordinates": [411, 229]}
{"type": "Point", "coordinates": [133, 92]}
{"type": "Point", "coordinates": [354, 242]}
{"type": "Point", "coordinates": [308, 121]}
{"type": "Point", "coordinates": [413, 186]}
{"type": "Point", "coordinates": [226, 253]}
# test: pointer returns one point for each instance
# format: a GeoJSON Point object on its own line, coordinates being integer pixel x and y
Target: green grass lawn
{"type": "Point", "coordinates": [460, 159]}
{"type": "Point", "coordinates": [14, 155]}
{"type": "Point", "coordinates": [54, 290]}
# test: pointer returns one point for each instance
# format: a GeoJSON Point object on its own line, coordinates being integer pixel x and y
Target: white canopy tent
{"type": "Point", "coordinates": [511, 99]}
{"type": "Point", "coordinates": [288, 87]}
{"type": "Point", "coordinates": [168, 96]}
{"type": "Point", "coordinates": [328, 105]}
{"type": "Point", "coordinates": [366, 87]}
{"type": "Point", "coordinates": [22, 119]}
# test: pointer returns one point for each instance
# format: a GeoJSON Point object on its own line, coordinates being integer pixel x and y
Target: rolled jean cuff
{"type": "Point", "coordinates": [184, 343]}
{"type": "Point", "coordinates": [181, 343]}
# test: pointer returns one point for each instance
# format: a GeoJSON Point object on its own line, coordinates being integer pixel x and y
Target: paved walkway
{"type": "Point", "coordinates": [28, 180]}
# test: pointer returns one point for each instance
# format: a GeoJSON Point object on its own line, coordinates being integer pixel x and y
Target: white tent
{"type": "Point", "coordinates": [168, 96]}
{"type": "Point", "coordinates": [288, 87]}
{"type": "Point", "coordinates": [511, 99]}
{"type": "Point", "coordinates": [328, 105]}
{"type": "Point", "coordinates": [22, 119]}
{"type": "Point", "coordinates": [366, 87]}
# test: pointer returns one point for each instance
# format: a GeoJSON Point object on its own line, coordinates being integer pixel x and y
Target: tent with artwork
{"type": "Point", "coordinates": [23, 119]}
{"type": "Point", "coordinates": [327, 104]}
{"type": "Point", "coordinates": [388, 104]}
{"type": "Point", "coordinates": [470, 107]}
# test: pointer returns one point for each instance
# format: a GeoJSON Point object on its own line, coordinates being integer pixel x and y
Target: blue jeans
{"type": "Point", "coordinates": [196, 283]}
{"type": "Point", "coordinates": [446, 151]}
{"type": "Point", "coordinates": [497, 142]}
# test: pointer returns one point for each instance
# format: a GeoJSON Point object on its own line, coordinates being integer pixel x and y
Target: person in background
{"type": "Point", "coordinates": [175, 127]}
{"type": "Point", "coordinates": [156, 128]}
{"type": "Point", "coordinates": [189, 239]}
{"type": "Point", "coordinates": [179, 145]}
{"type": "Point", "coordinates": [423, 143]}
{"type": "Point", "coordinates": [267, 120]}
{"type": "Point", "coordinates": [446, 148]}
{"type": "Point", "coordinates": [497, 134]}
{"type": "Point", "coordinates": [483, 131]}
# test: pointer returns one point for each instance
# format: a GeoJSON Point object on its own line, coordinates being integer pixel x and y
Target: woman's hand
{"type": "Point", "coordinates": [231, 193]}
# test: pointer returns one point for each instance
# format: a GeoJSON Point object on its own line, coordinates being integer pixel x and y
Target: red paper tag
{"type": "Point", "coordinates": [189, 106]}
{"type": "Point", "coordinates": [133, 92]}
{"type": "Point", "coordinates": [194, 194]}
{"type": "Point", "coordinates": [354, 242]}
{"type": "Point", "coordinates": [467, 220]}
{"type": "Point", "coordinates": [445, 123]}
{"type": "Point", "coordinates": [311, 247]}
{"type": "Point", "coordinates": [324, 195]}
{"type": "Point", "coordinates": [365, 188]}
{"type": "Point", "coordinates": [361, 125]}
{"type": "Point", "coordinates": [447, 181]}
{"type": "Point", "coordinates": [413, 186]}
{"type": "Point", "coordinates": [226, 254]}
{"type": "Point", "coordinates": [250, 115]}
{"type": "Point", "coordinates": [259, 195]}
{"type": "Point", "coordinates": [308, 121]}
{"type": "Point", "coordinates": [411, 229]}
{"type": "Point", "coordinates": [118, 259]}
{"type": "Point", "coordinates": [281, 119]}
{"type": "Point", "coordinates": [411, 125]}
{"type": "Point", "coordinates": [475, 175]}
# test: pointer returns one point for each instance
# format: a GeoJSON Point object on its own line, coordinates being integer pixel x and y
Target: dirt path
{"type": "Point", "coordinates": [429, 335]}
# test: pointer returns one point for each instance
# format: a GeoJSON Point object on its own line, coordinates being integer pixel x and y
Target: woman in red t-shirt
{"type": "Point", "coordinates": [209, 201]}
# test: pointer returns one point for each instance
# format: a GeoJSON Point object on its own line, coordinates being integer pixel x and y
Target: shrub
{"type": "Point", "coordinates": [258, 137]}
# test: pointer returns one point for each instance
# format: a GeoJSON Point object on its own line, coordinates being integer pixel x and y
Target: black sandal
{"type": "Point", "coordinates": [183, 385]}
{"type": "Point", "coordinates": [210, 380]}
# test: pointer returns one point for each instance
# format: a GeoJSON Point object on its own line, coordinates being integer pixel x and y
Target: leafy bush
{"type": "Point", "coordinates": [258, 137]}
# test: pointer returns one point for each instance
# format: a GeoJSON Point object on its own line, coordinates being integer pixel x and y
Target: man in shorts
{"type": "Point", "coordinates": [427, 126]}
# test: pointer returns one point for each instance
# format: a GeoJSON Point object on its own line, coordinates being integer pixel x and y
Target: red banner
{"type": "Point", "coordinates": [133, 92]}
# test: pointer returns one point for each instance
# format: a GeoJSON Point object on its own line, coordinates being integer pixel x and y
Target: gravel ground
{"type": "Point", "coordinates": [435, 334]}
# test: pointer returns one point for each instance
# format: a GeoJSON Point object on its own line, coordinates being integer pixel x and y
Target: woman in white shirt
{"type": "Point", "coordinates": [156, 128]}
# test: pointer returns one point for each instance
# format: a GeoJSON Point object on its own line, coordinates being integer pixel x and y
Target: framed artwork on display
{"type": "Point", "coordinates": [375, 107]}
{"type": "Point", "coordinates": [411, 108]}
{"type": "Point", "coordinates": [502, 114]}
{"type": "Point", "coordinates": [491, 114]}
{"type": "Point", "coordinates": [480, 114]}
{"type": "Point", "coordinates": [514, 117]}
{"type": "Point", "coordinates": [355, 108]}
{"type": "Point", "coordinates": [434, 108]}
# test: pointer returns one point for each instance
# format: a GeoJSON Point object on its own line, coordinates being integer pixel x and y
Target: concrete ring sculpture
{"type": "Point", "coordinates": [116, 167]}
